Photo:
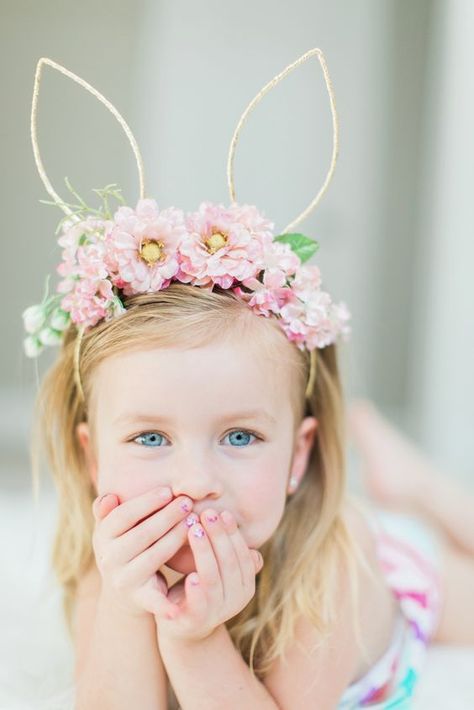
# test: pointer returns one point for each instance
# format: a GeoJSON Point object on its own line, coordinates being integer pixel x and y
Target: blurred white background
{"type": "Point", "coordinates": [395, 226]}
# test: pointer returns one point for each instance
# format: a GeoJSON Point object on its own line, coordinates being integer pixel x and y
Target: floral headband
{"type": "Point", "coordinates": [107, 255]}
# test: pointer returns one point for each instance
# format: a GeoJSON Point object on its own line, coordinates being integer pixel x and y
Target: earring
{"type": "Point", "coordinates": [293, 483]}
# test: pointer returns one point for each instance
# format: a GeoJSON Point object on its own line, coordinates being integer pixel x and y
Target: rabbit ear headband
{"type": "Point", "coordinates": [109, 255]}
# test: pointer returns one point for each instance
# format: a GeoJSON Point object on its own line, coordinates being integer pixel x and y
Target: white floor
{"type": "Point", "coordinates": [35, 654]}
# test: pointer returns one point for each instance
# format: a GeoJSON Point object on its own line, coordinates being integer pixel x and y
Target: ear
{"type": "Point", "coordinates": [304, 440]}
{"type": "Point", "coordinates": [84, 437]}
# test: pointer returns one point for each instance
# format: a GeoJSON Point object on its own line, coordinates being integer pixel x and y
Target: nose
{"type": "Point", "coordinates": [196, 481]}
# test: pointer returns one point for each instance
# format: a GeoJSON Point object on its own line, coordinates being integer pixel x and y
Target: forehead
{"type": "Point", "coordinates": [182, 379]}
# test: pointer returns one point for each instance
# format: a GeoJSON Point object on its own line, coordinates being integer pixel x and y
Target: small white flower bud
{"type": "Point", "coordinates": [33, 318]}
{"type": "Point", "coordinates": [32, 346]}
{"type": "Point", "coordinates": [59, 320]}
{"type": "Point", "coordinates": [48, 336]}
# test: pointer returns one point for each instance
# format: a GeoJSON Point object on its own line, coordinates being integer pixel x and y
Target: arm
{"type": "Point", "coordinates": [122, 668]}
{"type": "Point", "coordinates": [194, 666]}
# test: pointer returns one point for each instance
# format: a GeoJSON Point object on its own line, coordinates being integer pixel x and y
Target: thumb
{"type": "Point", "coordinates": [161, 583]}
{"type": "Point", "coordinates": [102, 505]}
{"type": "Point", "coordinates": [258, 559]}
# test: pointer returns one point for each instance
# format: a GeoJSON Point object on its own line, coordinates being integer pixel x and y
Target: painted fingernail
{"type": "Point", "coordinates": [186, 505]}
{"type": "Point", "coordinates": [212, 517]}
{"type": "Point", "coordinates": [191, 519]}
{"type": "Point", "coordinates": [198, 530]}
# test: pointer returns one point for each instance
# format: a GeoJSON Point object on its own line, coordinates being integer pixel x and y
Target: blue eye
{"type": "Point", "coordinates": [241, 436]}
{"type": "Point", "coordinates": [154, 435]}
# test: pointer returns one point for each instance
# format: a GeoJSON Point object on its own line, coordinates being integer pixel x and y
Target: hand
{"type": "Point", "coordinates": [225, 572]}
{"type": "Point", "coordinates": [130, 547]}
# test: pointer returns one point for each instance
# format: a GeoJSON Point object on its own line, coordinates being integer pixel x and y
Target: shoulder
{"type": "Point", "coordinates": [318, 677]}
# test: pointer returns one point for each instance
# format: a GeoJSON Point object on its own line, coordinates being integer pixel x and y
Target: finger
{"type": "Point", "coordinates": [154, 601]}
{"type": "Point", "coordinates": [150, 530]}
{"type": "Point", "coordinates": [107, 504]}
{"type": "Point", "coordinates": [196, 597]}
{"type": "Point", "coordinates": [250, 561]}
{"type": "Point", "coordinates": [102, 505]}
{"type": "Point", "coordinates": [132, 511]}
{"type": "Point", "coordinates": [144, 565]}
{"type": "Point", "coordinates": [227, 560]}
{"type": "Point", "coordinates": [207, 566]}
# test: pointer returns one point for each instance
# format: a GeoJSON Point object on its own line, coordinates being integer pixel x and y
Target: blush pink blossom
{"type": "Point", "coordinates": [89, 301]}
{"type": "Point", "coordinates": [142, 247]}
{"type": "Point", "coordinates": [224, 245]}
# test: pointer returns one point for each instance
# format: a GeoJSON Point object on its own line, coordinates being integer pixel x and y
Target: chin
{"type": "Point", "coordinates": [182, 561]}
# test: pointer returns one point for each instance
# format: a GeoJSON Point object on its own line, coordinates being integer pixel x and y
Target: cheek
{"type": "Point", "coordinates": [262, 503]}
{"type": "Point", "coordinates": [120, 473]}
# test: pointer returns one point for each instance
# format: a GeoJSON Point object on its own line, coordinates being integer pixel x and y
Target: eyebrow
{"type": "Point", "coordinates": [138, 417]}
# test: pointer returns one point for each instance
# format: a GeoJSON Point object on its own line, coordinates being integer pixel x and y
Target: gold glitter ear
{"type": "Point", "coordinates": [77, 358]}
{"type": "Point", "coordinates": [254, 102]}
{"type": "Point", "coordinates": [312, 374]}
{"type": "Point", "coordinates": [102, 99]}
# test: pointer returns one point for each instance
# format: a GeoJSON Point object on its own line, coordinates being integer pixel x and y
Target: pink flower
{"type": "Point", "coordinates": [89, 301]}
{"type": "Point", "coordinates": [280, 259]}
{"type": "Point", "coordinates": [142, 247]}
{"type": "Point", "coordinates": [75, 233]}
{"type": "Point", "coordinates": [307, 280]}
{"type": "Point", "coordinates": [314, 323]}
{"type": "Point", "coordinates": [224, 245]}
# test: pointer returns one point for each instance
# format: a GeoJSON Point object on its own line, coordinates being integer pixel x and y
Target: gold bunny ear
{"type": "Point", "coordinates": [106, 103]}
{"type": "Point", "coordinates": [254, 102]}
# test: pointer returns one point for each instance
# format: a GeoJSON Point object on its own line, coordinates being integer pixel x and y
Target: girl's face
{"type": "Point", "coordinates": [214, 423]}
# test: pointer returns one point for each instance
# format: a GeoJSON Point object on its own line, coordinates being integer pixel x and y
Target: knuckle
{"type": "Point", "coordinates": [142, 533]}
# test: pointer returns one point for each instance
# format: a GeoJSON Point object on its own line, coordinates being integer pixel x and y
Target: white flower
{"type": "Point", "coordinates": [59, 320]}
{"type": "Point", "coordinates": [33, 318]}
{"type": "Point", "coordinates": [32, 346]}
{"type": "Point", "coordinates": [48, 336]}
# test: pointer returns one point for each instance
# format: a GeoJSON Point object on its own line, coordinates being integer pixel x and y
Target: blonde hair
{"type": "Point", "coordinates": [311, 543]}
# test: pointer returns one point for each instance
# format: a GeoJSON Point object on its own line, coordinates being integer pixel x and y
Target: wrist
{"type": "Point", "coordinates": [109, 599]}
{"type": "Point", "coordinates": [170, 642]}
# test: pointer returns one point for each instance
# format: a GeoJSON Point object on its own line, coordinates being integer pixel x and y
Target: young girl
{"type": "Point", "coordinates": [209, 551]}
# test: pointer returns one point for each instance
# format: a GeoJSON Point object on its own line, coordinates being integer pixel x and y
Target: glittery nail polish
{"type": "Point", "coordinates": [198, 530]}
{"type": "Point", "coordinates": [191, 519]}
{"type": "Point", "coordinates": [185, 506]}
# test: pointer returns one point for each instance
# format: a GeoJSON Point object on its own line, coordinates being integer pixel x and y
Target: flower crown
{"type": "Point", "coordinates": [107, 255]}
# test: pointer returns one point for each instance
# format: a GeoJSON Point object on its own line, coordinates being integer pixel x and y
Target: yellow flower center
{"type": "Point", "coordinates": [215, 242]}
{"type": "Point", "coordinates": [151, 251]}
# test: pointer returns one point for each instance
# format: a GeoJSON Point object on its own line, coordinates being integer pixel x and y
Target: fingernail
{"type": "Point", "coordinates": [198, 530]}
{"type": "Point", "coordinates": [103, 497]}
{"type": "Point", "coordinates": [164, 493]}
{"type": "Point", "coordinates": [191, 519]}
{"type": "Point", "coordinates": [186, 505]}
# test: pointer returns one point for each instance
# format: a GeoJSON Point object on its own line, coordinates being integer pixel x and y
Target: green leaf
{"type": "Point", "coordinates": [303, 246]}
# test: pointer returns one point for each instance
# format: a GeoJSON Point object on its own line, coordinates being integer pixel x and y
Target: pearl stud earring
{"type": "Point", "coordinates": [293, 483]}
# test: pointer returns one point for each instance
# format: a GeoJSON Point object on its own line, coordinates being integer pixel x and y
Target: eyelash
{"type": "Point", "coordinates": [246, 431]}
